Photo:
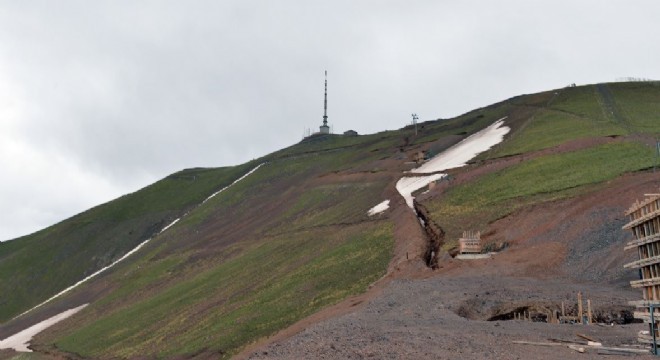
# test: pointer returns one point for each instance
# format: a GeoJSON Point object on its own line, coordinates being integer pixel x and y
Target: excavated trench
{"type": "Point", "coordinates": [477, 309]}
{"type": "Point", "coordinates": [605, 316]}
{"type": "Point", "coordinates": [434, 234]}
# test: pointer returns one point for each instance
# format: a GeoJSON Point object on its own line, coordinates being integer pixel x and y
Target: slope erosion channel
{"type": "Point", "coordinates": [431, 171]}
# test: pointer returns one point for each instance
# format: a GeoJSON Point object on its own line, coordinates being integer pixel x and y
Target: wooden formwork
{"type": "Point", "coordinates": [470, 243]}
{"type": "Point", "coordinates": [644, 223]}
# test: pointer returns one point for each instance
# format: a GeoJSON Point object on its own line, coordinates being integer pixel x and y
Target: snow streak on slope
{"type": "Point", "coordinates": [230, 185]}
{"type": "Point", "coordinates": [456, 156]}
{"type": "Point", "coordinates": [20, 340]}
{"type": "Point", "coordinates": [379, 208]}
{"type": "Point", "coordinates": [408, 185]}
{"type": "Point", "coordinates": [134, 249]}
{"type": "Point", "coordinates": [459, 154]}
{"type": "Point", "coordinates": [169, 226]}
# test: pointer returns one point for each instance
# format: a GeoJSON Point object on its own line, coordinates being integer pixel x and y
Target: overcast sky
{"type": "Point", "coordinates": [100, 98]}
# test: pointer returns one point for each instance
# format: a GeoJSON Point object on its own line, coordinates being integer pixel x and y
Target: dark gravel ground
{"type": "Point", "coordinates": [418, 319]}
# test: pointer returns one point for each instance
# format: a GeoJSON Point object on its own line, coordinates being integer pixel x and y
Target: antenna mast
{"type": "Point", "coordinates": [325, 101]}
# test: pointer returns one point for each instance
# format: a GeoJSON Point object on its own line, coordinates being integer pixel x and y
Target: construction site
{"type": "Point", "coordinates": [644, 223]}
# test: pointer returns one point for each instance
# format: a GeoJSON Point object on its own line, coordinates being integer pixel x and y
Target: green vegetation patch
{"type": "Point", "coordinates": [288, 240]}
{"type": "Point", "coordinates": [37, 266]}
{"type": "Point", "coordinates": [337, 203]}
{"type": "Point", "coordinates": [546, 178]}
{"type": "Point", "coordinates": [584, 112]}
{"type": "Point", "coordinates": [639, 103]}
{"type": "Point", "coordinates": [266, 288]}
{"type": "Point", "coordinates": [30, 356]}
{"type": "Point", "coordinates": [549, 128]}
{"type": "Point", "coordinates": [582, 101]}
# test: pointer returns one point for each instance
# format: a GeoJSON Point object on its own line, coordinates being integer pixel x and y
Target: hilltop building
{"type": "Point", "coordinates": [644, 222]}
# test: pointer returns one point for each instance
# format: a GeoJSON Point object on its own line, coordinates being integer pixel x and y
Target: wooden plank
{"type": "Point", "coordinates": [580, 307]}
{"type": "Point", "coordinates": [619, 350]}
{"type": "Point", "coordinates": [577, 348]}
{"type": "Point", "coordinates": [566, 342]}
{"type": "Point", "coordinates": [521, 342]}
{"type": "Point", "coordinates": [613, 352]}
{"type": "Point", "coordinates": [586, 337]}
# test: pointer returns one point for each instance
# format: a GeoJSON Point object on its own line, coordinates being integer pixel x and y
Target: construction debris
{"type": "Point", "coordinates": [582, 348]}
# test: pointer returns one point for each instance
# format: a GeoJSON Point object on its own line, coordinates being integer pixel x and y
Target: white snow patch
{"type": "Point", "coordinates": [456, 156]}
{"type": "Point", "coordinates": [459, 154]}
{"type": "Point", "coordinates": [379, 208]}
{"type": "Point", "coordinates": [235, 181]}
{"type": "Point", "coordinates": [89, 277]}
{"type": "Point", "coordinates": [21, 340]}
{"type": "Point", "coordinates": [409, 184]}
{"type": "Point", "coordinates": [170, 225]}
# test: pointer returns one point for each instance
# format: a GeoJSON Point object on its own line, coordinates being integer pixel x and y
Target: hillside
{"type": "Point", "coordinates": [553, 196]}
{"type": "Point", "coordinates": [293, 237]}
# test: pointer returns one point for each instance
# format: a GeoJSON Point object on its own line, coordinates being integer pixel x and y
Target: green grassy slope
{"type": "Point", "coordinates": [222, 229]}
{"type": "Point", "coordinates": [492, 196]}
{"type": "Point", "coordinates": [288, 240]}
{"type": "Point", "coordinates": [639, 105]}
{"type": "Point", "coordinates": [285, 242]}
{"type": "Point", "coordinates": [258, 291]}
{"type": "Point", "coordinates": [294, 236]}
{"type": "Point", "coordinates": [583, 112]}
{"type": "Point", "coordinates": [629, 111]}
{"type": "Point", "coordinates": [37, 266]}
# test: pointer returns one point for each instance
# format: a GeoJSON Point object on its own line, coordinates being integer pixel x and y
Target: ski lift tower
{"type": "Point", "coordinates": [415, 118]}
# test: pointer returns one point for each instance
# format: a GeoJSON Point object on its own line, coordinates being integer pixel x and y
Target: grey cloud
{"type": "Point", "coordinates": [124, 92]}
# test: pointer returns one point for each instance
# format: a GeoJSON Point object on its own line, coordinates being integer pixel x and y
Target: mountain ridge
{"type": "Point", "coordinates": [258, 235]}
